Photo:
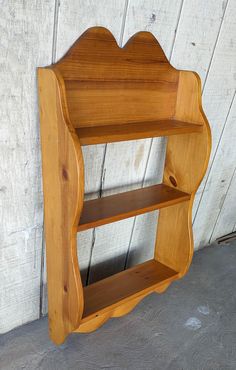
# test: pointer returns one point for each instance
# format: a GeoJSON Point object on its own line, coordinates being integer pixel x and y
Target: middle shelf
{"type": "Point", "coordinates": [134, 131]}
{"type": "Point", "coordinates": [117, 207]}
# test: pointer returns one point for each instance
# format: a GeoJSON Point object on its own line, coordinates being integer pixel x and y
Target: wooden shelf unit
{"type": "Point", "coordinates": [99, 93]}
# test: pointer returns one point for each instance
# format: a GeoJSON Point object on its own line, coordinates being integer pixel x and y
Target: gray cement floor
{"type": "Point", "coordinates": [190, 327]}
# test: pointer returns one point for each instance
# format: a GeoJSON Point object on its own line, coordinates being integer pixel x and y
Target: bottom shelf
{"type": "Point", "coordinates": [120, 288]}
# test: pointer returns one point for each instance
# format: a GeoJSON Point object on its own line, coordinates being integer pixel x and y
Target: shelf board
{"type": "Point", "coordinates": [109, 293]}
{"type": "Point", "coordinates": [117, 207]}
{"type": "Point", "coordinates": [133, 131]}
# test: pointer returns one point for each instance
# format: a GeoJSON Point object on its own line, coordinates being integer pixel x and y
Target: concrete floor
{"type": "Point", "coordinates": [190, 327]}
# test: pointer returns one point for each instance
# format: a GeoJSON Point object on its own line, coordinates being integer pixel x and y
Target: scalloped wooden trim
{"type": "Point", "coordinates": [123, 309]}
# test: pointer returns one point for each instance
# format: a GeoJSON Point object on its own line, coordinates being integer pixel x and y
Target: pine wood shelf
{"type": "Point", "coordinates": [99, 93]}
{"type": "Point", "coordinates": [117, 207]}
{"type": "Point", "coordinates": [134, 131]}
{"type": "Point", "coordinates": [125, 286]}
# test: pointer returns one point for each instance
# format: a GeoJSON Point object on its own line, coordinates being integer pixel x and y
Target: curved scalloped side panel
{"type": "Point", "coordinates": [187, 158]}
{"type": "Point", "coordinates": [63, 199]}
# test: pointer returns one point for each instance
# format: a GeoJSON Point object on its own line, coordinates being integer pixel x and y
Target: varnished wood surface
{"type": "Point", "coordinates": [116, 207]}
{"type": "Point", "coordinates": [134, 131]}
{"type": "Point", "coordinates": [109, 85]}
{"type": "Point", "coordinates": [63, 198]}
{"type": "Point", "coordinates": [186, 162]}
{"type": "Point", "coordinates": [105, 295]}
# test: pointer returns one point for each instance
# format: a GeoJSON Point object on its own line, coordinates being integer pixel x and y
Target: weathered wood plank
{"type": "Point", "coordinates": [226, 221]}
{"type": "Point", "coordinates": [196, 39]}
{"type": "Point", "coordinates": [123, 169]}
{"type": "Point", "coordinates": [155, 16]}
{"type": "Point", "coordinates": [220, 85]}
{"type": "Point", "coordinates": [197, 34]}
{"type": "Point", "coordinates": [74, 17]}
{"type": "Point", "coordinates": [218, 184]}
{"type": "Point", "coordinates": [218, 98]}
{"type": "Point", "coordinates": [26, 42]}
{"type": "Point", "coordinates": [125, 163]}
{"type": "Point", "coordinates": [142, 241]}
{"type": "Point", "coordinates": [192, 50]}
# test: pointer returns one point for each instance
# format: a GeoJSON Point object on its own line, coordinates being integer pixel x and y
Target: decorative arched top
{"type": "Point", "coordinates": [140, 59]}
{"type": "Point", "coordinates": [109, 85]}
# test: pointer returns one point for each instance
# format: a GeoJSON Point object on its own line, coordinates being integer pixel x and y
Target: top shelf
{"type": "Point", "coordinates": [133, 131]}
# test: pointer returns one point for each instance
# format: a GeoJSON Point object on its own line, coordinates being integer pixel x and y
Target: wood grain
{"type": "Point", "coordinates": [219, 205]}
{"type": "Point", "coordinates": [74, 17]}
{"type": "Point", "coordinates": [63, 185]}
{"type": "Point", "coordinates": [225, 222]}
{"type": "Point", "coordinates": [108, 85]}
{"type": "Point", "coordinates": [160, 18]}
{"type": "Point", "coordinates": [113, 208]}
{"type": "Point", "coordinates": [198, 26]}
{"type": "Point", "coordinates": [219, 107]}
{"type": "Point", "coordinates": [26, 42]}
{"type": "Point", "coordinates": [186, 162]}
{"type": "Point", "coordinates": [105, 295]}
{"type": "Point", "coordinates": [189, 52]}
{"type": "Point", "coordinates": [134, 131]}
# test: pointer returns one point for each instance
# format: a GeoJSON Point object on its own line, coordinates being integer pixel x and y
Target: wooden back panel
{"type": "Point", "coordinates": [107, 85]}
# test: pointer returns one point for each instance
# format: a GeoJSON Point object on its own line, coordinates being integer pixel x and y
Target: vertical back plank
{"type": "Point", "coordinates": [218, 98]}
{"type": "Point", "coordinates": [74, 17]}
{"type": "Point", "coordinates": [198, 26]}
{"type": "Point", "coordinates": [126, 162]}
{"type": "Point", "coordinates": [218, 187]}
{"type": "Point", "coordinates": [225, 223]}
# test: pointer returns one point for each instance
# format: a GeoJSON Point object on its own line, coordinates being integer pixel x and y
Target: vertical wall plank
{"type": "Point", "coordinates": [125, 163]}
{"type": "Point", "coordinates": [226, 220]}
{"type": "Point", "coordinates": [26, 42]}
{"type": "Point", "coordinates": [156, 16]}
{"type": "Point", "coordinates": [123, 171]}
{"type": "Point", "coordinates": [143, 236]}
{"type": "Point", "coordinates": [220, 86]}
{"type": "Point", "coordinates": [197, 35]}
{"type": "Point", "coordinates": [187, 51]}
{"type": "Point", "coordinates": [217, 98]}
{"type": "Point", "coordinates": [218, 183]}
{"type": "Point", "coordinates": [74, 17]}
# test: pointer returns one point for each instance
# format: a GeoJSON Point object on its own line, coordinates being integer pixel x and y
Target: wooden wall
{"type": "Point", "coordinates": [195, 34]}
